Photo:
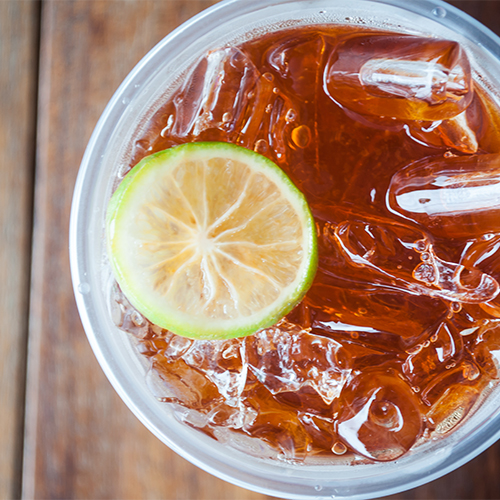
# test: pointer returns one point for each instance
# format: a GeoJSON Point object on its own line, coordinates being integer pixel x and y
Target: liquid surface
{"type": "Point", "coordinates": [396, 151]}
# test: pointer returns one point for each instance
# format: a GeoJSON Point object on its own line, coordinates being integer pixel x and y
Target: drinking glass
{"type": "Point", "coordinates": [106, 158]}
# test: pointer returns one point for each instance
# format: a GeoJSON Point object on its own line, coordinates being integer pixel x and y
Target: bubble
{"type": "Point", "coordinates": [126, 100]}
{"type": "Point", "coordinates": [425, 273]}
{"type": "Point", "coordinates": [456, 307]}
{"type": "Point", "coordinates": [318, 487]}
{"type": "Point", "coordinates": [339, 448]}
{"type": "Point", "coordinates": [470, 371]}
{"type": "Point", "coordinates": [84, 288]}
{"type": "Point", "coordinates": [420, 246]}
{"type": "Point", "coordinates": [261, 146]}
{"type": "Point", "coordinates": [439, 12]}
{"type": "Point", "coordinates": [268, 76]}
{"type": "Point", "coordinates": [301, 136]}
{"type": "Point", "coordinates": [291, 115]}
{"type": "Point", "coordinates": [414, 350]}
{"type": "Point", "coordinates": [227, 117]}
{"type": "Point", "coordinates": [269, 108]}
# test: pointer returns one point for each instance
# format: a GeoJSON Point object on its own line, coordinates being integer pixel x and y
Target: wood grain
{"type": "Point", "coordinates": [81, 441]}
{"type": "Point", "coordinates": [18, 63]}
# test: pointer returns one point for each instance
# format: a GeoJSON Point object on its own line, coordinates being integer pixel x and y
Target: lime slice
{"type": "Point", "coordinates": [210, 240]}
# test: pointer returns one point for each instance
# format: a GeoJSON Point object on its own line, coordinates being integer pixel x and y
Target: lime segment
{"type": "Point", "coordinates": [211, 240]}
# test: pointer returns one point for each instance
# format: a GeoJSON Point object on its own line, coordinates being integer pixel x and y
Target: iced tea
{"type": "Point", "coordinates": [396, 149]}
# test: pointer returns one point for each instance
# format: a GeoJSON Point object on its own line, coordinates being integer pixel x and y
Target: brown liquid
{"type": "Point", "coordinates": [388, 346]}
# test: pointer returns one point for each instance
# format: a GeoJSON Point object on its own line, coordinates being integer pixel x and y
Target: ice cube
{"type": "Point", "coordinates": [124, 315]}
{"type": "Point", "coordinates": [454, 375]}
{"type": "Point", "coordinates": [442, 345]}
{"type": "Point", "coordinates": [284, 430]}
{"type": "Point", "coordinates": [370, 311]}
{"type": "Point", "coordinates": [290, 359]}
{"type": "Point", "coordinates": [221, 362]}
{"type": "Point", "coordinates": [215, 95]}
{"type": "Point", "coordinates": [380, 416]}
{"type": "Point", "coordinates": [320, 430]}
{"type": "Point", "coordinates": [394, 250]}
{"type": "Point", "coordinates": [486, 349]}
{"type": "Point", "coordinates": [297, 61]}
{"type": "Point", "coordinates": [404, 77]}
{"type": "Point", "coordinates": [452, 197]}
{"type": "Point", "coordinates": [226, 98]}
{"type": "Point", "coordinates": [176, 382]}
{"type": "Point", "coordinates": [455, 133]}
{"type": "Point", "coordinates": [484, 254]}
{"type": "Point", "coordinates": [452, 408]}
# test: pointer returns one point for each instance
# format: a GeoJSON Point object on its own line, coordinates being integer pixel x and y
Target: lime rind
{"type": "Point", "coordinates": [126, 201]}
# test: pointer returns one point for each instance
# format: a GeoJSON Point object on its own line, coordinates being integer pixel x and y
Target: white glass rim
{"type": "Point", "coordinates": [287, 486]}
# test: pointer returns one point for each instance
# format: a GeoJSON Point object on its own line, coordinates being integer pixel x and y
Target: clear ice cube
{"type": "Point", "coordinates": [406, 256]}
{"type": "Point", "coordinates": [297, 62]}
{"type": "Point", "coordinates": [450, 196]}
{"type": "Point", "coordinates": [375, 314]}
{"type": "Point", "coordinates": [484, 254]}
{"type": "Point", "coordinates": [221, 362]}
{"type": "Point", "coordinates": [215, 95]}
{"type": "Point", "coordinates": [442, 345]}
{"type": "Point", "coordinates": [452, 408]}
{"type": "Point", "coordinates": [290, 359]}
{"type": "Point", "coordinates": [177, 382]}
{"type": "Point", "coordinates": [226, 97]}
{"type": "Point", "coordinates": [456, 133]}
{"type": "Point", "coordinates": [403, 77]}
{"type": "Point", "coordinates": [380, 416]}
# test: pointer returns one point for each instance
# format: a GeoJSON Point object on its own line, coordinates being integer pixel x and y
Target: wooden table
{"type": "Point", "coordinates": [64, 433]}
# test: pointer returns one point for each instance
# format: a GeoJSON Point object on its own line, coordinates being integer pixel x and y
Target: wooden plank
{"type": "Point", "coordinates": [81, 441]}
{"type": "Point", "coordinates": [19, 23]}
